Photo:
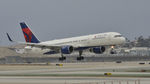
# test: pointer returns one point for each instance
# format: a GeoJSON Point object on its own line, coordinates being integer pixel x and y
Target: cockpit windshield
{"type": "Point", "coordinates": [118, 36]}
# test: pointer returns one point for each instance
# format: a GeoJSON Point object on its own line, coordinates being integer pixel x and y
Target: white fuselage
{"type": "Point", "coordinates": [101, 39]}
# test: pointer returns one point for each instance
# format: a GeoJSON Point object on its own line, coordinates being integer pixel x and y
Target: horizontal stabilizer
{"type": "Point", "coordinates": [9, 38]}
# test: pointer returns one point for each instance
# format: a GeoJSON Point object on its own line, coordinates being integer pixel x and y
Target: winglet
{"type": "Point", "coordinates": [9, 38]}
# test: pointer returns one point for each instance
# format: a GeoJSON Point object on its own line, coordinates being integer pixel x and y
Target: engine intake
{"type": "Point", "coordinates": [67, 49]}
{"type": "Point", "coordinates": [99, 50]}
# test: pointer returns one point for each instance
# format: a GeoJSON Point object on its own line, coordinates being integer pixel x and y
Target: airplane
{"type": "Point", "coordinates": [96, 43]}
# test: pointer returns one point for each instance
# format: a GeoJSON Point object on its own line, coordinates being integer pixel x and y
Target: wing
{"type": "Point", "coordinates": [43, 46]}
{"type": "Point", "coordinates": [39, 45]}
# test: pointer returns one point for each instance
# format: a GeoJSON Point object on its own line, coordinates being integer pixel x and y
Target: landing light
{"type": "Point", "coordinates": [112, 46]}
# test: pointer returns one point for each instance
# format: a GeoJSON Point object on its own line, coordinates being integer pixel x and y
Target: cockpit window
{"type": "Point", "coordinates": [118, 36]}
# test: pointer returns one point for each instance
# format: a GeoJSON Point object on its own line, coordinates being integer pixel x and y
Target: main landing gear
{"type": "Point", "coordinates": [62, 58]}
{"type": "Point", "coordinates": [80, 56]}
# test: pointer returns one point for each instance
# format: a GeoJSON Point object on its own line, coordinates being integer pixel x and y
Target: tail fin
{"type": "Point", "coordinates": [28, 35]}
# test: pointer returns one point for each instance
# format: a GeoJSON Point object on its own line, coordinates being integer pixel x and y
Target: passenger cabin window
{"type": "Point", "coordinates": [118, 36]}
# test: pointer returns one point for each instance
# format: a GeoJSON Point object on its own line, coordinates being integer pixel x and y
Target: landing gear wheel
{"type": "Point", "coordinates": [113, 51]}
{"type": "Point", "coordinates": [80, 58]}
{"type": "Point", "coordinates": [62, 58]}
{"type": "Point", "coordinates": [80, 55]}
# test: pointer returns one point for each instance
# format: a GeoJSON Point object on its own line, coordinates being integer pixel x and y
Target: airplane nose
{"type": "Point", "coordinates": [123, 39]}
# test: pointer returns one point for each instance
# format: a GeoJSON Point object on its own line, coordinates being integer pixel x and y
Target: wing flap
{"type": "Point", "coordinates": [53, 47]}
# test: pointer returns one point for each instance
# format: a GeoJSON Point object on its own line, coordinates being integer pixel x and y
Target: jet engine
{"type": "Point", "coordinates": [98, 50]}
{"type": "Point", "coordinates": [67, 49]}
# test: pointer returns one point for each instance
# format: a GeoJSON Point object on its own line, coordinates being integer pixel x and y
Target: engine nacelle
{"type": "Point", "coordinates": [99, 50]}
{"type": "Point", "coordinates": [67, 49]}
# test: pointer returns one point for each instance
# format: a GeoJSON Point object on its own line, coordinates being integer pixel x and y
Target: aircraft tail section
{"type": "Point", "coordinates": [28, 35]}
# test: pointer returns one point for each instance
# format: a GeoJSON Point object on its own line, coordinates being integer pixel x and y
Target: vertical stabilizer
{"type": "Point", "coordinates": [28, 35]}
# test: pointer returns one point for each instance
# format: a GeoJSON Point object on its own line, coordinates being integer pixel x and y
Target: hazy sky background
{"type": "Point", "coordinates": [54, 19]}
